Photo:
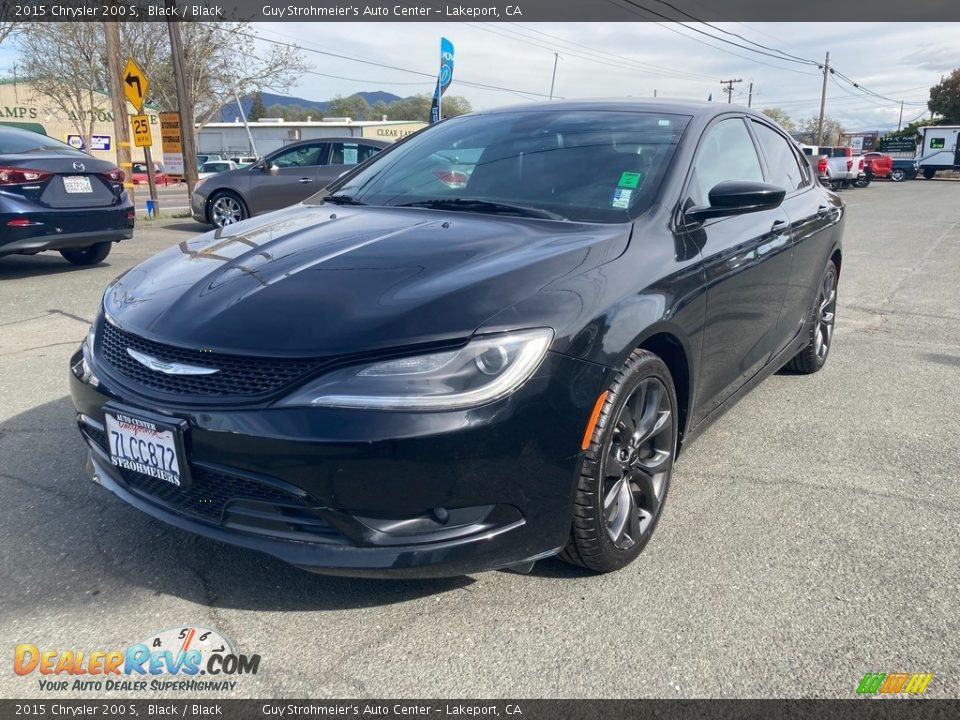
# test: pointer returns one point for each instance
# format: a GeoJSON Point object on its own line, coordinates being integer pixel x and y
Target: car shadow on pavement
{"type": "Point", "coordinates": [15, 267]}
{"type": "Point", "coordinates": [189, 226]}
{"type": "Point", "coordinates": [64, 536]}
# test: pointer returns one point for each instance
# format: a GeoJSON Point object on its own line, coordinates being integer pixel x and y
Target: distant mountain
{"type": "Point", "coordinates": [230, 113]}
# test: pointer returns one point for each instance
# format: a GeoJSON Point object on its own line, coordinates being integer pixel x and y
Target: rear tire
{"type": "Point", "coordinates": [626, 471]}
{"type": "Point", "coordinates": [88, 255]}
{"type": "Point", "coordinates": [819, 327]}
{"type": "Point", "coordinates": [898, 175]}
{"type": "Point", "coordinates": [928, 173]}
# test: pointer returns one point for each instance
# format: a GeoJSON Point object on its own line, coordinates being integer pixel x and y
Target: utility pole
{"type": "Point", "coordinates": [900, 121]}
{"type": "Point", "coordinates": [184, 108]}
{"type": "Point", "coordinates": [750, 95]}
{"type": "Point", "coordinates": [121, 129]}
{"type": "Point", "coordinates": [243, 117]}
{"type": "Point", "coordinates": [553, 80]}
{"type": "Point", "coordinates": [728, 87]}
{"type": "Point", "coordinates": [823, 98]}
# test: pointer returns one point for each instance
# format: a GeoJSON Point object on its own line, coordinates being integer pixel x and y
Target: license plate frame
{"type": "Point", "coordinates": [77, 185]}
{"type": "Point", "coordinates": [155, 427]}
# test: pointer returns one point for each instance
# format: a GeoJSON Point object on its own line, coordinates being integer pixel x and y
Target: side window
{"type": "Point", "coordinates": [300, 156]}
{"type": "Point", "coordinates": [351, 153]}
{"type": "Point", "coordinates": [781, 160]}
{"type": "Point", "coordinates": [726, 153]}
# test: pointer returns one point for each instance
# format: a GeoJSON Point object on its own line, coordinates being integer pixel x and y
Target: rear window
{"type": "Point", "coordinates": [585, 165]}
{"type": "Point", "coordinates": [14, 142]}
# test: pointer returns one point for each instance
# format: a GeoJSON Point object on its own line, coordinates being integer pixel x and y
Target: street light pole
{"type": "Point", "coordinates": [823, 98]}
{"type": "Point", "coordinates": [553, 80]}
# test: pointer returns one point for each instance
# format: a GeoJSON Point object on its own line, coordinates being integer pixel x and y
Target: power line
{"type": "Point", "coordinates": [467, 83]}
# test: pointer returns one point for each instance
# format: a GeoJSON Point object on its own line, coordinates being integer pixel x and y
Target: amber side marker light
{"type": "Point", "coordinates": [592, 423]}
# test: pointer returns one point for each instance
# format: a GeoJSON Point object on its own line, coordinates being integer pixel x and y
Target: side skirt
{"type": "Point", "coordinates": [777, 362]}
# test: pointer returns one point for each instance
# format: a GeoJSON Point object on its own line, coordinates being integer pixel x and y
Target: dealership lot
{"type": "Point", "coordinates": [810, 535]}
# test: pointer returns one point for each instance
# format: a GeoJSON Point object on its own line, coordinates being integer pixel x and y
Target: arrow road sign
{"type": "Point", "coordinates": [135, 84]}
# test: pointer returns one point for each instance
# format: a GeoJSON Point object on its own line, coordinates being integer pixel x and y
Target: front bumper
{"type": "Point", "coordinates": [370, 493]}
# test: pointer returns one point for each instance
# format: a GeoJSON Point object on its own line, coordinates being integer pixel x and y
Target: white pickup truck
{"type": "Point", "coordinates": [835, 166]}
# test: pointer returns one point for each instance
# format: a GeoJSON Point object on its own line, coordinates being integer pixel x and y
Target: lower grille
{"type": "Point", "coordinates": [233, 501]}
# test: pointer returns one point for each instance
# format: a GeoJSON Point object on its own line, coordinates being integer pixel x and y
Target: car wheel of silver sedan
{"type": "Point", "coordinates": [226, 209]}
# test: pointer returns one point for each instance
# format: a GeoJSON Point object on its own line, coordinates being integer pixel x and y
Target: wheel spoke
{"type": "Point", "coordinates": [625, 508]}
{"type": "Point", "coordinates": [611, 496]}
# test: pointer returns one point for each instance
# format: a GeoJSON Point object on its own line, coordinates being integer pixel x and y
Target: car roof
{"type": "Point", "coordinates": [694, 108]}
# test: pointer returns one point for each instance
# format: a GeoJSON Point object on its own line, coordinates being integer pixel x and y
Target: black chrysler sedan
{"type": "Point", "coordinates": [53, 197]}
{"type": "Point", "coordinates": [483, 348]}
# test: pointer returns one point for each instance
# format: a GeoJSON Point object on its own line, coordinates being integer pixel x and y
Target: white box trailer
{"type": "Point", "coordinates": [939, 150]}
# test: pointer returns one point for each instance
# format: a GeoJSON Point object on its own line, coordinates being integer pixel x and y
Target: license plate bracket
{"type": "Point", "coordinates": [74, 184]}
{"type": "Point", "coordinates": [147, 443]}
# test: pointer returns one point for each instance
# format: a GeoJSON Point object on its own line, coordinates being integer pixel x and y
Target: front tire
{"type": "Point", "coordinates": [898, 175]}
{"type": "Point", "coordinates": [627, 467]}
{"type": "Point", "coordinates": [88, 255]}
{"type": "Point", "coordinates": [226, 208]}
{"type": "Point", "coordinates": [820, 324]}
{"type": "Point", "coordinates": [928, 173]}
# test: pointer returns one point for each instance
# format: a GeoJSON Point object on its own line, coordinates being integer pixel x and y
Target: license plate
{"type": "Point", "coordinates": [77, 184]}
{"type": "Point", "coordinates": [146, 446]}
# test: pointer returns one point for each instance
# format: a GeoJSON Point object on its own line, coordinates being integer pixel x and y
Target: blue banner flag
{"type": "Point", "coordinates": [443, 79]}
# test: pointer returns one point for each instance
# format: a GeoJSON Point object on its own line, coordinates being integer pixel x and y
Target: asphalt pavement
{"type": "Point", "coordinates": [810, 535]}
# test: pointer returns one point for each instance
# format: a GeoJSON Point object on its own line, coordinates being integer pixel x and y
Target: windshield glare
{"type": "Point", "coordinates": [592, 166]}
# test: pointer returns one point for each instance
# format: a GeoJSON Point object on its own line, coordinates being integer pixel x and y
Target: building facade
{"type": "Point", "coordinates": [22, 106]}
{"type": "Point", "coordinates": [231, 138]}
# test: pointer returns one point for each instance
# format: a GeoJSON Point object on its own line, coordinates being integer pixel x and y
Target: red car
{"type": "Point", "coordinates": [877, 165]}
{"type": "Point", "coordinates": [139, 174]}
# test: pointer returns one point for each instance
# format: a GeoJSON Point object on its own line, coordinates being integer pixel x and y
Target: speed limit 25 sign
{"type": "Point", "coordinates": [142, 137]}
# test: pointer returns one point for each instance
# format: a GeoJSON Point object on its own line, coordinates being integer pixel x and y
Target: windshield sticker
{"type": "Point", "coordinates": [621, 198]}
{"type": "Point", "coordinates": [629, 179]}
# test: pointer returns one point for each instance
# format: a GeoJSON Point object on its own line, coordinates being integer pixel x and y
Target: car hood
{"type": "Point", "coordinates": [323, 280]}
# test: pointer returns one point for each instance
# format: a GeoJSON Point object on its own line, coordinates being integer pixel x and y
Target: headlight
{"type": "Point", "coordinates": [486, 369]}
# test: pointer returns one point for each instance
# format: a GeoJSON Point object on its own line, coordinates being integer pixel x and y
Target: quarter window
{"type": "Point", "coordinates": [781, 160]}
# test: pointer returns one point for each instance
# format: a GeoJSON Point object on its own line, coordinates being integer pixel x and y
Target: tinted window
{"type": "Point", "coordinates": [588, 165]}
{"type": "Point", "coordinates": [299, 156]}
{"type": "Point", "coordinates": [351, 153]}
{"type": "Point", "coordinates": [726, 153]}
{"type": "Point", "coordinates": [781, 160]}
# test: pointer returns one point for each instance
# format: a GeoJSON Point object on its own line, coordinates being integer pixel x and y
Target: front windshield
{"type": "Point", "coordinates": [584, 165]}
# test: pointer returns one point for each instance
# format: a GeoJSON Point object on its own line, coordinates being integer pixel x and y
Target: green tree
{"type": "Point", "coordinates": [355, 107]}
{"type": "Point", "coordinates": [257, 108]}
{"type": "Point", "coordinates": [945, 97]}
{"type": "Point", "coordinates": [779, 116]}
{"type": "Point", "coordinates": [832, 129]}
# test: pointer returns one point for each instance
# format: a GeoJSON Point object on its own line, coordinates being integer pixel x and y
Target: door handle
{"type": "Point", "coordinates": [823, 210]}
{"type": "Point", "coordinates": [305, 180]}
{"type": "Point", "coordinates": [779, 224]}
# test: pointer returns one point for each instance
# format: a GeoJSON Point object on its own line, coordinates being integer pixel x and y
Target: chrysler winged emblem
{"type": "Point", "coordinates": [170, 368]}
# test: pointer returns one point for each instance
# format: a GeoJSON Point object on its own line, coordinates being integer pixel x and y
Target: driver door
{"type": "Point", "coordinates": [288, 177]}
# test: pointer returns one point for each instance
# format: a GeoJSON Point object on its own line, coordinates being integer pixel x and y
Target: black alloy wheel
{"type": "Point", "coordinates": [820, 324]}
{"type": "Point", "coordinates": [627, 468]}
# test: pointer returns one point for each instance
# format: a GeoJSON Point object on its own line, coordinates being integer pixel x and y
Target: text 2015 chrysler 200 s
{"type": "Point", "coordinates": [480, 349]}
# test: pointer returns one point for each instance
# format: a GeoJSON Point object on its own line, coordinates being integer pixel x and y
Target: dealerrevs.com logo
{"type": "Point", "coordinates": [190, 659]}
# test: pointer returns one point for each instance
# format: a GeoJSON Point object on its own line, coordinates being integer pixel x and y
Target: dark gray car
{"type": "Point", "coordinates": [284, 177]}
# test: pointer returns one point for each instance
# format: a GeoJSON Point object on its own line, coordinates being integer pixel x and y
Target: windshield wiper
{"type": "Point", "coordinates": [484, 206]}
{"type": "Point", "coordinates": [343, 200]}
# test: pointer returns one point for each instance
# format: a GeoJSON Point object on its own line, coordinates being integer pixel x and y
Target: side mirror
{"type": "Point", "coordinates": [738, 197]}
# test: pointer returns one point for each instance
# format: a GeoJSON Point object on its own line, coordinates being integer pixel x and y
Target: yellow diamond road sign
{"type": "Point", "coordinates": [135, 83]}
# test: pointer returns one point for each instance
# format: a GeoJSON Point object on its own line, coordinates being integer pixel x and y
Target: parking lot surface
{"type": "Point", "coordinates": [810, 535]}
